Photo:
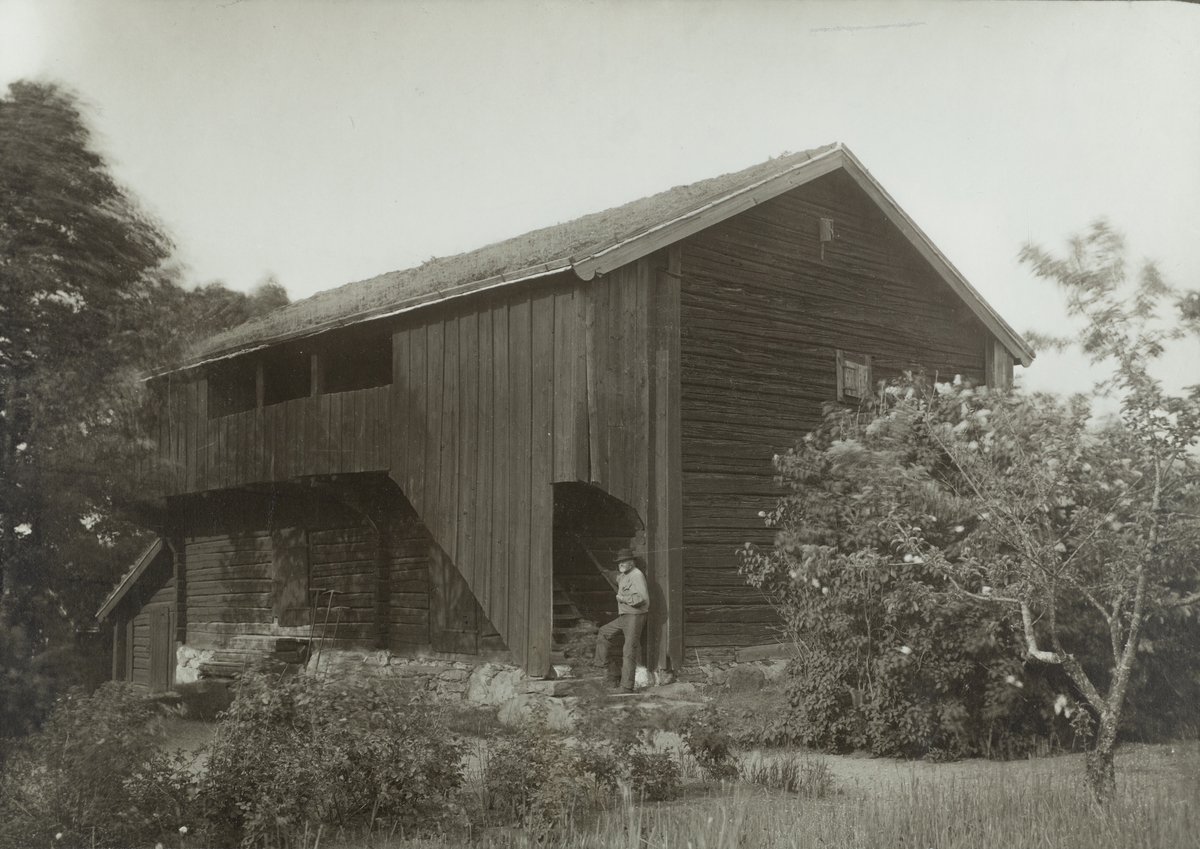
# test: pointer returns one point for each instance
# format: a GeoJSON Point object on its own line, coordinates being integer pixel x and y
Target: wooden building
{"type": "Point", "coordinates": [454, 449]}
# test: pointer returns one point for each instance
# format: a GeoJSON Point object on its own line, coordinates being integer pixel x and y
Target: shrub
{"type": "Point", "coordinates": [707, 740]}
{"type": "Point", "coordinates": [891, 657]}
{"type": "Point", "coordinates": [654, 776]}
{"type": "Point", "coordinates": [88, 776]}
{"type": "Point", "coordinates": [537, 778]}
{"type": "Point", "coordinates": [297, 754]}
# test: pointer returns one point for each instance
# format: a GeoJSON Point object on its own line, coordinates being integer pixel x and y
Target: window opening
{"type": "Point", "coordinates": [358, 362]}
{"type": "Point", "coordinates": [853, 376]}
{"type": "Point", "coordinates": [231, 388]}
{"type": "Point", "coordinates": [286, 376]}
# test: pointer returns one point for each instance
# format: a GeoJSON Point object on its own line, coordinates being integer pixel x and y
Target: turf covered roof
{"type": "Point", "coordinates": [591, 244]}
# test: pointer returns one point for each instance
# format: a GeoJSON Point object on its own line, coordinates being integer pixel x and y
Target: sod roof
{"type": "Point", "coordinates": [589, 245]}
{"type": "Point", "coordinates": [540, 251]}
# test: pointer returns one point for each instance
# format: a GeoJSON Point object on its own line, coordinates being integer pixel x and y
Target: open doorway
{"type": "Point", "coordinates": [590, 526]}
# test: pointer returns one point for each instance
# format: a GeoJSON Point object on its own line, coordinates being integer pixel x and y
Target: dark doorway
{"type": "Point", "coordinates": [590, 526]}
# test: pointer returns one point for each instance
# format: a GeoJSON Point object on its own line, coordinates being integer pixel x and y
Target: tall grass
{"type": "Point", "coordinates": [1002, 809]}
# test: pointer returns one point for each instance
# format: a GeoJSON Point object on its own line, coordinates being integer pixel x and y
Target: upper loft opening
{"type": "Point", "coordinates": [286, 375]}
{"type": "Point", "coordinates": [347, 361]}
{"type": "Point", "coordinates": [357, 360]}
{"type": "Point", "coordinates": [232, 387]}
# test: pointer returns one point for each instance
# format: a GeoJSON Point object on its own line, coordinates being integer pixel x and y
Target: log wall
{"type": "Point", "coordinates": [762, 317]}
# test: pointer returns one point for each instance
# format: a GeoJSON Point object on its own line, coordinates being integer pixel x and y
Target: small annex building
{"type": "Point", "coordinates": [444, 457]}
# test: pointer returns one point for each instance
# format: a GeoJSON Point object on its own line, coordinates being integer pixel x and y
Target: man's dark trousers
{"type": "Point", "coordinates": [632, 625]}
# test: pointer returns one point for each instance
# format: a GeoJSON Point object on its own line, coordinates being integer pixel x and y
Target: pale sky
{"type": "Point", "coordinates": [328, 142]}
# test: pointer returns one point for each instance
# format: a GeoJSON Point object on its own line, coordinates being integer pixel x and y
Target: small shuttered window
{"type": "Point", "coordinates": [853, 376]}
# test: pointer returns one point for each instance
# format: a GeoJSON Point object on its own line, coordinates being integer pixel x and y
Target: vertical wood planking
{"type": "Point", "coordinates": [445, 531]}
{"type": "Point", "coordinates": [363, 423]}
{"type": "Point", "coordinates": [297, 437]}
{"type": "Point", "coordinates": [230, 445]}
{"type": "Point", "coordinates": [176, 435]}
{"type": "Point", "coordinates": [468, 444]}
{"type": "Point", "coordinates": [564, 391]}
{"type": "Point", "coordinates": [190, 438]}
{"type": "Point", "coordinates": [223, 452]}
{"type": "Point", "coordinates": [339, 427]}
{"type": "Point", "coordinates": [579, 384]}
{"type": "Point", "coordinates": [484, 547]}
{"type": "Point", "coordinates": [540, 592]}
{"type": "Point", "coordinates": [520, 474]}
{"type": "Point", "coordinates": [647, 279]}
{"type": "Point", "coordinates": [351, 422]}
{"type": "Point", "coordinates": [612, 398]}
{"type": "Point", "coordinates": [323, 439]}
{"type": "Point", "coordinates": [357, 410]}
{"type": "Point", "coordinates": [321, 445]}
{"type": "Point", "coordinates": [202, 434]}
{"type": "Point", "coordinates": [212, 447]}
{"type": "Point", "coordinates": [501, 480]}
{"type": "Point", "coordinates": [260, 445]}
{"type": "Point", "coordinates": [237, 441]}
{"type": "Point", "coordinates": [418, 416]}
{"type": "Point", "coordinates": [398, 412]}
{"type": "Point", "coordinates": [593, 313]}
{"type": "Point", "coordinates": [665, 512]}
{"type": "Point", "coordinates": [271, 443]}
{"type": "Point", "coordinates": [435, 350]}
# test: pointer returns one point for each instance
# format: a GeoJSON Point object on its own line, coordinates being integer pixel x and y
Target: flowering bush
{"type": "Point", "coordinates": [891, 658]}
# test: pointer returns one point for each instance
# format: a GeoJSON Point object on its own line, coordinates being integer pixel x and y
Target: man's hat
{"type": "Point", "coordinates": [623, 555]}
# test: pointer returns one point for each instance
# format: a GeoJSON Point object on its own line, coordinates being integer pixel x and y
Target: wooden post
{"type": "Point", "coordinates": [179, 565]}
{"type": "Point", "coordinates": [316, 374]}
{"type": "Point", "coordinates": [998, 364]}
{"type": "Point", "coordinates": [259, 385]}
{"type": "Point", "coordinates": [664, 532]}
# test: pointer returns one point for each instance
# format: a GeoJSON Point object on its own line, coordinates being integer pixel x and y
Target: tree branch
{"type": "Point", "coordinates": [1031, 643]}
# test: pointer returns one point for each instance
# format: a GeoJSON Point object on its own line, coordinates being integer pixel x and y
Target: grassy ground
{"type": "Point", "coordinates": [867, 802]}
{"type": "Point", "coordinates": [874, 803]}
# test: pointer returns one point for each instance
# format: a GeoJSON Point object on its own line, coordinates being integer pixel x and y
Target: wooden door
{"type": "Point", "coordinates": [162, 648]}
{"type": "Point", "coordinates": [453, 611]}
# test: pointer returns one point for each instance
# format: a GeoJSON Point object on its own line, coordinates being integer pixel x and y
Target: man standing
{"type": "Point", "coordinates": [633, 603]}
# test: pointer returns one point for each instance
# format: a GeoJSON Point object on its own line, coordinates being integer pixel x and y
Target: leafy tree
{"type": "Point", "coordinates": [891, 659]}
{"type": "Point", "coordinates": [78, 261]}
{"type": "Point", "coordinates": [1078, 536]}
{"type": "Point", "coordinates": [88, 301]}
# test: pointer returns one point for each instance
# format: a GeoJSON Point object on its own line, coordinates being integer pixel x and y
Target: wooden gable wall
{"type": "Point", "coordinates": [763, 316]}
{"type": "Point", "coordinates": [492, 405]}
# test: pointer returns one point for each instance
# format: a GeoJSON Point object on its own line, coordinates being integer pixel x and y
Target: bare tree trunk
{"type": "Point", "coordinates": [1101, 774]}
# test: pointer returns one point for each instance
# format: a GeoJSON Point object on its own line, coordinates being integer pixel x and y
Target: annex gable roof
{"type": "Point", "coordinates": [130, 578]}
{"type": "Point", "coordinates": [591, 245]}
